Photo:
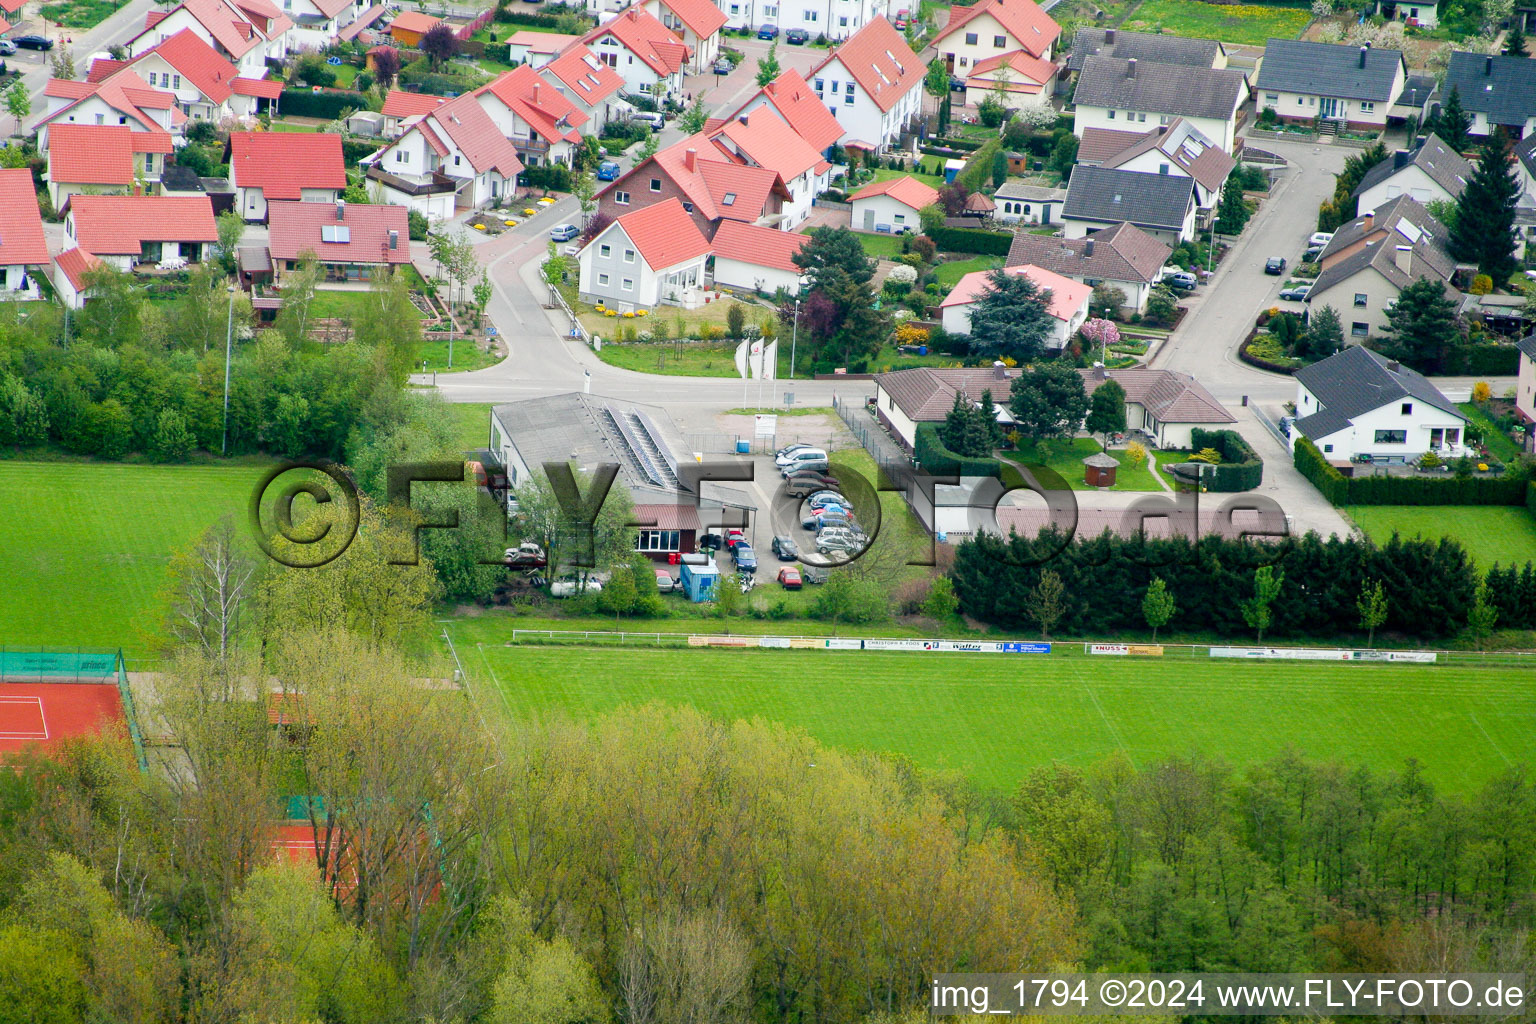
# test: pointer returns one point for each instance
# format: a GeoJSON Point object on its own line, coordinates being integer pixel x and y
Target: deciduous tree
{"type": "Point", "coordinates": [1258, 610]}
{"type": "Point", "coordinates": [1106, 410]}
{"type": "Point", "coordinates": [1157, 605]}
{"type": "Point", "coordinates": [1372, 605]}
{"type": "Point", "coordinates": [1048, 401]}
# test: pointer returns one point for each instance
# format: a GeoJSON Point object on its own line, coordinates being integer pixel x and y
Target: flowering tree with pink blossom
{"type": "Point", "coordinates": [1101, 333]}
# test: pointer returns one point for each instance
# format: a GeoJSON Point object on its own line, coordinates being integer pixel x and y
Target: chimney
{"type": "Point", "coordinates": [1394, 366]}
{"type": "Point", "coordinates": [341, 209]}
{"type": "Point", "coordinates": [1099, 372]}
{"type": "Point", "coordinates": [1362, 54]}
{"type": "Point", "coordinates": [394, 239]}
{"type": "Point", "coordinates": [1109, 37]}
{"type": "Point", "coordinates": [1404, 258]}
{"type": "Point", "coordinates": [1400, 159]}
{"type": "Point", "coordinates": [535, 93]}
{"type": "Point", "coordinates": [1130, 68]}
{"type": "Point", "coordinates": [689, 156]}
{"type": "Point", "coordinates": [999, 369]}
{"type": "Point", "coordinates": [1087, 247]}
{"type": "Point", "coordinates": [1488, 65]}
{"type": "Point", "coordinates": [1370, 219]}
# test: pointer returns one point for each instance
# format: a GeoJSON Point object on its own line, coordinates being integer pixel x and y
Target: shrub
{"type": "Point", "coordinates": [329, 105]}
{"type": "Point", "coordinates": [984, 243]}
{"type": "Point", "coordinates": [1482, 284]}
{"type": "Point", "coordinates": [938, 460]}
{"type": "Point", "coordinates": [1240, 468]}
{"type": "Point", "coordinates": [1405, 490]}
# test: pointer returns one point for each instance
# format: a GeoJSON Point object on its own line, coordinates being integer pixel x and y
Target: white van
{"type": "Point", "coordinates": [804, 458]}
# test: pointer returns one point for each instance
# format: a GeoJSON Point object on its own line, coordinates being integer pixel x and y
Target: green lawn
{"type": "Point", "coordinates": [289, 126]}
{"type": "Point", "coordinates": [1491, 533]}
{"type": "Point", "coordinates": [1498, 442]}
{"type": "Point", "coordinates": [885, 247]}
{"type": "Point", "coordinates": [886, 174]}
{"type": "Point", "coordinates": [992, 717]}
{"type": "Point", "coordinates": [342, 304]}
{"type": "Point", "coordinates": [1069, 463]}
{"type": "Point", "coordinates": [467, 355]}
{"type": "Point", "coordinates": [346, 74]}
{"type": "Point", "coordinates": [86, 545]}
{"type": "Point", "coordinates": [693, 359]}
{"type": "Point", "coordinates": [1249, 24]}
{"type": "Point", "coordinates": [78, 13]}
{"type": "Point", "coordinates": [949, 274]}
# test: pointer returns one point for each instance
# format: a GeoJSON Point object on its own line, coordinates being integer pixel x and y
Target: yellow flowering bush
{"type": "Point", "coordinates": [911, 334]}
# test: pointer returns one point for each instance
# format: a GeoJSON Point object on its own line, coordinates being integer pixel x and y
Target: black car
{"type": "Point", "coordinates": [785, 549]}
{"type": "Point", "coordinates": [33, 43]}
{"type": "Point", "coordinates": [797, 37]}
{"type": "Point", "coordinates": [956, 84]}
{"type": "Point", "coordinates": [1274, 265]}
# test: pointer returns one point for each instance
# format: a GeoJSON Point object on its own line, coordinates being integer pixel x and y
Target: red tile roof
{"type": "Point", "coordinates": [759, 246]}
{"type": "Point", "coordinates": [639, 32]}
{"type": "Point", "coordinates": [198, 63]}
{"type": "Point", "coordinates": [767, 140]}
{"type": "Point", "coordinates": [76, 263]}
{"type": "Point", "coordinates": [21, 226]}
{"type": "Point", "coordinates": [664, 234]}
{"type": "Point", "coordinates": [471, 129]}
{"type": "Point", "coordinates": [905, 189]}
{"type": "Point", "coordinates": [879, 59]}
{"type": "Point", "coordinates": [103, 68]}
{"type": "Point", "coordinates": [400, 103]}
{"type": "Point", "coordinates": [331, 8]}
{"type": "Point", "coordinates": [588, 79]}
{"type": "Point", "coordinates": [151, 19]}
{"type": "Point", "coordinates": [124, 91]}
{"type": "Point", "coordinates": [120, 225]}
{"type": "Point", "coordinates": [709, 178]}
{"type": "Point", "coordinates": [231, 31]}
{"type": "Point", "coordinates": [701, 16]}
{"type": "Point", "coordinates": [12, 6]}
{"type": "Point", "coordinates": [1026, 73]}
{"type": "Point", "coordinates": [69, 89]}
{"type": "Point", "coordinates": [260, 87]}
{"type": "Point", "coordinates": [798, 104]}
{"type": "Point", "coordinates": [414, 21]}
{"type": "Point", "coordinates": [90, 154]}
{"type": "Point", "coordinates": [1029, 26]}
{"type": "Point", "coordinates": [282, 164]}
{"type": "Point", "coordinates": [295, 229]}
{"type": "Point", "coordinates": [535, 101]}
{"type": "Point", "coordinates": [365, 19]}
{"type": "Point", "coordinates": [1065, 296]}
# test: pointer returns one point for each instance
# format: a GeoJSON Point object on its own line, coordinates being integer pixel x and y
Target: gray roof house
{"type": "Point", "coordinates": [1362, 285]}
{"type": "Point", "coordinates": [1494, 90]}
{"type": "Point", "coordinates": [1114, 92]}
{"type": "Point", "coordinates": [1403, 217]}
{"type": "Point", "coordinates": [1360, 403]}
{"type": "Point", "coordinates": [1432, 171]}
{"type": "Point", "coordinates": [1356, 85]}
{"type": "Point", "coordinates": [1157, 47]}
{"type": "Point", "coordinates": [1123, 256]}
{"type": "Point", "coordinates": [1162, 205]}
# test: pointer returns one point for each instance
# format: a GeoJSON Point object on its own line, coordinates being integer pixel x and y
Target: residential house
{"type": "Point", "coordinates": [992, 28]}
{"type": "Point", "coordinates": [1404, 219]}
{"type": "Point", "coordinates": [1525, 206]}
{"type": "Point", "coordinates": [70, 269]}
{"type": "Point", "coordinates": [697, 23]}
{"type": "Point", "coordinates": [873, 85]}
{"type": "Point", "coordinates": [711, 187]}
{"type": "Point", "coordinates": [1416, 13]}
{"type": "Point", "coordinates": [1415, 99]}
{"type": "Point", "coordinates": [1123, 257]}
{"type": "Point", "coordinates": [892, 205]}
{"type": "Point", "coordinates": [647, 257]}
{"type": "Point", "coordinates": [1182, 150]}
{"type": "Point", "coordinates": [834, 19]}
{"type": "Point", "coordinates": [593, 87]}
{"type": "Point", "coordinates": [793, 99]}
{"type": "Point", "coordinates": [1430, 172]}
{"type": "Point", "coordinates": [102, 158]}
{"type": "Point", "coordinates": [1148, 47]}
{"type": "Point", "coordinates": [1166, 404]}
{"type": "Point", "coordinates": [757, 259]}
{"type": "Point", "coordinates": [409, 26]}
{"type": "Point", "coordinates": [1162, 205]}
{"type": "Point", "coordinates": [1066, 300]}
{"type": "Point", "coordinates": [352, 243]}
{"type": "Point", "coordinates": [401, 106]}
{"type": "Point", "coordinates": [648, 56]}
{"type": "Point", "coordinates": [1020, 203]}
{"type": "Point", "coordinates": [1360, 405]}
{"type": "Point", "coordinates": [1122, 93]}
{"type": "Point", "coordinates": [124, 231]}
{"type": "Point", "coordinates": [1350, 85]}
{"type": "Point", "coordinates": [361, 28]}
{"type": "Point", "coordinates": [206, 86]}
{"type": "Point", "coordinates": [762, 138]}
{"type": "Point", "coordinates": [453, 158]}
{"type": "Point", "coordinates": [271, 167]}
{"type": "Point", "coordinates": [1363, 285]}
{"type": "Point", "coordinates": [1495, 91]}
{"type": "Point", "coordinates": [244, 32]}
{"type": "Point", "coordinates": [318, 23]}
{"type": "Point", "coordinates": [1023, 80]}
{"type": "Point", "coordinates": [23, 250]}
{"type": "Point", "coordinates": [122, 99]}
{"type": "Point", "coordinates": [1525, 386]}
{"type": "Point", "coordinates": [536, 49]}
{"type": "Point", "coordinates": [544, 126]}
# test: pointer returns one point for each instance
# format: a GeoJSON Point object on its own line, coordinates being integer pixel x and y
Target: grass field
{"type": "Point", "coordinates": [884, 247]}
{"type": "Point", "coordinates": [332, 303]}
{"type": "Point", "coordinates": [886, 174]}
{"type": "Point", "coordinates": [1490, 533]}
{"type": "Point", "coordinates": [994, 717]}
{"type": "Point", "coordinates": [1498, 442]}
{"type": "Point", "coordinates": [1247, 23]}
{"type": "Point", "coordinates": [289, 126]}
{"type": "Point", "coordinates": [472, 423]}
{"type": "Point", "coordinates": [467, 354]}
{"type": "Point", "coordinates": [1069, 463]}
{"type": "Point", "coordinates": [78, 13]}
{"type": "Point", "coordinates": [949, 274]}
{"type": "Point", "coordinates": [86, 546]}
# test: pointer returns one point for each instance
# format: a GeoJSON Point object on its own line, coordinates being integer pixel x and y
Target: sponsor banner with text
{"type": "Point", "coordinates": [1136, 650]}
{"type": "Point", "coordinates": [1282, 653]}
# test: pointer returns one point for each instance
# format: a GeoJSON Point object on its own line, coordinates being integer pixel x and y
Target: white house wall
{"type": "Point", "coordinates": [885, 212]}
{"type": "Point", "coordinates": [1378, 292]}
{"type": "Point", "coordinates": [1410, 181]}
{"type": "Point", "coordinates": [1360, 437]}
{"type": "Point", "coordinates": [862, 119]}
{"type": "Point", "coordinates": [1221, 132]}
{"type": "Point", "coordinates": [751, 277]}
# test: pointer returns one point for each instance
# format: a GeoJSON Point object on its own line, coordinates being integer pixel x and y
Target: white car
{"type": "Point", "coordinates": [1320, 238]}
{"type": "Point", "coordinates": [570, 587]}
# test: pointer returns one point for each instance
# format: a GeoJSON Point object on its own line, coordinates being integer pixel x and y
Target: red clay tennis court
{"type": "Point", "coordinates": [45, 713]}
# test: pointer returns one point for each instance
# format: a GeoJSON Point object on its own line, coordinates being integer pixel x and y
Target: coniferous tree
{"type": "Point", "coordinates": [1514, 43]}
{"type": "Point", "coordinates": [1012, 319]}
{"type": "Point", "coordinates": [1422, 325]}
{"type": "Point", "coordinates": [1232, 213]}
{"type": "Point", "coordinates": [1454, 123]}
{"type": "Point", "coordinates": [1323, 337]}
{"type": "Point", "coordinates": [1482, 231]}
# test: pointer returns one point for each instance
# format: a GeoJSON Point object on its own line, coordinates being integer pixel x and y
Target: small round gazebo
{"type": "Point", "coordinates": [1099, 469]}
{"type": "Point", "coordinates": [978, 205]}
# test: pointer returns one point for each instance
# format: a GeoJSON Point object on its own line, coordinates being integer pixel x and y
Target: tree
{"type": "Point", "coordinates": [63, 61]}
{"type": "Point", "coordinates": [231, 228]}
{"type": "Point", "coordinates": [603, 540]}
{"type": "Point", "coordinates": [648, 146]}
{"type": "Point", "coordinates": [850, 597]}
{"type": "Point", "coordinates": [293, 320]}
{"type": "Point", "coordinates": [1485, 213]}
{"type": "Point", "coordinates": [173, 441]}
{"type": "Point", "coordinates": [1257, 610]}
{"type": "Point", "coordinates": [1422, 325]}
{"type": "Point", "coordinates": [1012, 319]}
{"type": "Point", "coordinates": [1046, 603]}
{"type": "Point", "coordinates": [991, 111]}
{"type": "Point", "coordinates": [1048, 401]}
{"type": "Point", "coordinates": [548, 984]}
{"type": "Point", "coordinates": [1157, 606]}
{"type": "Point", "coordinates": [211, 585]}
{"type": "Point", "coordinates": [768, 65]}
{"type": "Point", "coordinates": [1372, 606]}
{"type": "Point", "coordinates": [41, 977]}
{"type": "Point", "coordinates": [1064, 155]}
{"type": "Point", "coordinates": [1162, 307]}
{"type": "Point", "coordinates": [1514, 42]}
{"type": "Point", "coordinates": [19, 103]}
{"type": "Point", "coordinates": [695, 117]}
{"type": "Point", "coordinates": [1106, 410]}
{"type": "Point", "coordinates": [1482, 616]}
{"type": "Point", "coordinates": [1232, 213]}
{"type": "Point", "coordinates": [999, 168]}
{"type": "Point", "coordinates": [439, 44]}
{"type": "Point", "coordinates": [1106, 300]}
{"type": "Point", "coordinates": [1455, 123]}
{"type": "Point", "coordinates": [386, 65]}
{"type": "Point", "coordinates": [941, 603]}
{"type": "Point", "coordinates": [483, 292]}
{"type": "Point", "coordinates": [1324, 335]}
{"type": "Point", "coordinates": [736, 320]}
{"type": "Point", "coordinates": [111, 318]}
{"type": "Point", "coordinates": [936, 79]}
{"type": "Point", "coordinates": [829, 251]}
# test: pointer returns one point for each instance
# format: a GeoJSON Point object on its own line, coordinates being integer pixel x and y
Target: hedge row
{"type": "Point", "coordinates": [1247, 356]}
{"type": "Point", "coordinates": [937, 460]}
{"type": "Point", "coordinates": [1241, 468]}
{"type": "Point", "coordinates": [1404, 490]}
{"type": "Point", "coordinates": [985, 243]}
{"type": "Point", "coordinates": [1484, 359]}
{"type": "Point", "coordinates": [330, 103]}
{"type": "Point", "coordinates": [507, 16]}
{"type": "Point", "coordinates": [550, 176]}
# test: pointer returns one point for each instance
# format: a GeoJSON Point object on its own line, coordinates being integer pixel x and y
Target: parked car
{"type": "Point", "coordinates": [901, 19]}
{"type": "Point", "coordinates": [813, 465]}
{"type": "Point", "coordinates": [1320, 239]}
{"type": "Point", "coordinates": [956, 83]}
{"type": "Point", "coordinates": [785, 548]}
{"type": "Point", "coordinates": [1312, 253]}
{"type": "Point", "coordinates": [1274, 265]}
{"type": "Point", "coordinates": [1183, 280]}
{"type": "Point", "coordinates": [768, 32]}
{"type": "Point", "coordinates": [745, 557]}
{"type": "Point", "coordinates": [827, 519]}
{"type": "Point", "coordinates": [789, 578]}
{"type": "Point", "coordinates": [1296, 292]}
{"type": "Point", "coordinates": [782, 455]}
{"type": "Point", "coordinates": [570, 586]}
{"type": "Point", "coordinates": [804, 482]}
{"type": "Point", "coordinates": [723, 67]}
{"type": "Point", "coordinates": [666, 583]}
{"type": "Point", "coordinates": [650, 117]}
{"type": "Point", "coordinates": [608, 170]}
{"type": "Point", "coordinates": [802, 459]}
{"type": "Point", "coordinates": [837, 541]}
{"type": "Point", "coordinates": [7, 47]}
{"type": "Point", "coordinates": [797, 37]}
{"type": "Point", "coordinates": [823, 497]}
{"type": "Point", "coordinates": [813, 574]}
{"type": "Point", "coordinates": [526, 555]}
{"type": "Point", "coordinates": [564, 232]}
{"type": "Point", "coordinates": [33, 43]}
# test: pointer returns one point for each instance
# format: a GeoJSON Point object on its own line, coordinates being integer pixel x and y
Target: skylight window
{"type": "Point", "coordinates": [729, 200]}
{"type": "Point", "coordinates": [335, 233]}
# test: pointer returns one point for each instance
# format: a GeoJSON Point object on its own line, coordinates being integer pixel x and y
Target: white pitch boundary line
{"type": "Point", "coordinates": [41, 717]}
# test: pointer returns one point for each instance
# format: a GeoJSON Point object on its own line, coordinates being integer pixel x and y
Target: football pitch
{"type": "Point", "coordinates": [993, 717]}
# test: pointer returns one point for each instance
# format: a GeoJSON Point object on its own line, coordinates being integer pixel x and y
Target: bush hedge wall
{"type": "Point", "coordinates": [327, 104]}
{"type": "Point", "coordinates": [1405, 490]}
{"type": "Point", "coordinates": [985, 243]}
{"type": "Point", "coordinates": [1241, 470]}
{"type": "Point", "coordinates": [937, 460]}
{"type": "Point", "coordinates": [1484, 359]}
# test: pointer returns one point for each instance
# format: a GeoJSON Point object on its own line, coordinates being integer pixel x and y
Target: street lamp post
{"type": "Point", "coordinates": [1103, 350]}
{"type": "Point", "coordinates": [229, 342]}
{"type": "Point", "coordinates": [794, 338]}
